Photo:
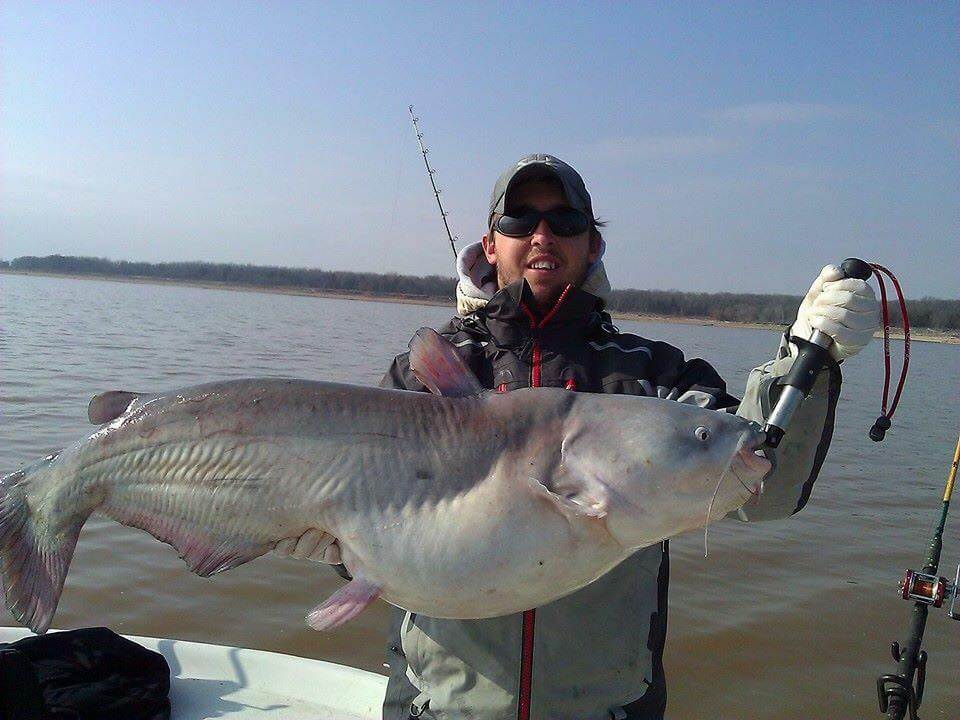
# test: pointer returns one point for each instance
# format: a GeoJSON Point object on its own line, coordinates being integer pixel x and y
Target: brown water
{"type": "Point", "coordinates": [791, 619]}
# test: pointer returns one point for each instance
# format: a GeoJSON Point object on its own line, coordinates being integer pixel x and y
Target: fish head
{"type": "Point", "coordinates": [659, 467]}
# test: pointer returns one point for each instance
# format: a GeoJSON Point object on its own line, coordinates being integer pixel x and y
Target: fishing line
{"type": "Point", "coordinates": [396, 192]}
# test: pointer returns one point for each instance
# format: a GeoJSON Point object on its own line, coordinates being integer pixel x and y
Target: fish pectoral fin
{"type": "Point", "coordinates": [344, 605]}
{"type": "Point", "coordinates": [109, 405]}
{"type": "Point", "coordinates": [314, 544]}
{"type": "Point", "coordinates": [571, 502]}
{"type": "Point", "coordinates": [436, 363]}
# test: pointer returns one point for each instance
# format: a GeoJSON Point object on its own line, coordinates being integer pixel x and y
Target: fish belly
{"type": "Point", "coordinates": [493, 550]}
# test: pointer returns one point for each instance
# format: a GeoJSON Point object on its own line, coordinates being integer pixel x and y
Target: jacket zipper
{"type": "Point", "coordinates": [530, 616]}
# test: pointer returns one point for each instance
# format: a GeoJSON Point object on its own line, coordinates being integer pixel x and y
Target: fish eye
{"type": "Point", "coordinates": [702, 434]}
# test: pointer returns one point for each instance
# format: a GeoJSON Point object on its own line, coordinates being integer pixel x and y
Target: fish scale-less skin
{"type": "Point", "coordinates": [451, 507]}
{"type": "Point", "coordinates": [330, 436]}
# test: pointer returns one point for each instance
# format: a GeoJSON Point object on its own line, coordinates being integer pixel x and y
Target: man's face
{"type": "Point", "coordinates": [563, 260]}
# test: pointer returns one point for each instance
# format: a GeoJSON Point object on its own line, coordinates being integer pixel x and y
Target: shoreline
{"type": "Point", "coordinates": [916, 334]}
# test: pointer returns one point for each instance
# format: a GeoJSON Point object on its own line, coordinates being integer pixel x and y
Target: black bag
{"type": "Point", "coordinates": [87, 674]}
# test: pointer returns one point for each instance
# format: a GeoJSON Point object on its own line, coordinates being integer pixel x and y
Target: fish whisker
{"type": "Point", "coordinates": [706, 527]}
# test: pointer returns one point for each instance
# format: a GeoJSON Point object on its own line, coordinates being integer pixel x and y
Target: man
{"type": "Point", "coordinates": [530, 304]}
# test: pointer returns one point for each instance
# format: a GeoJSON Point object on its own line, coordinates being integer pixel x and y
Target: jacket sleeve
{"type": "Point", "coordinates": [797, 461]}
{"type": "Point", "coordinates": [687, 381]}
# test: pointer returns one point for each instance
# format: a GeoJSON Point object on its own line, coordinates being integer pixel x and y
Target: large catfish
{"type": "Point", "coordinates": [457, 504]}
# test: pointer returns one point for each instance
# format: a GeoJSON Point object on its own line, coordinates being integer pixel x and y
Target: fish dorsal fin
{"type": "Point", "coordinates": [436, 363]}
{"type": "Point", "coordinates": [109, 405]}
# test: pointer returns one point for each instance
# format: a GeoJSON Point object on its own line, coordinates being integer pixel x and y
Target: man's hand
{"type": "Point", "coordinates": [844, 308]}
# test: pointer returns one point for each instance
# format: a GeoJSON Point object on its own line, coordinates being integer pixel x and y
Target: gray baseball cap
{"type": "Point", "coordinates": [541, 166]}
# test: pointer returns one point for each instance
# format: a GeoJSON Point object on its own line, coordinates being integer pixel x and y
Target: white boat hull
{"type": "Point", "coordinates": [228, 682]}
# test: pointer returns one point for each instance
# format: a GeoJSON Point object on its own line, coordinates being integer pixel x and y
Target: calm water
{"type": "Point", "coordinates": [784, 620]}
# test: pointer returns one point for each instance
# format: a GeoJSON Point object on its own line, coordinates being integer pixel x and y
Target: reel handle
{"type": "Point", "coordinates": [812, 356]}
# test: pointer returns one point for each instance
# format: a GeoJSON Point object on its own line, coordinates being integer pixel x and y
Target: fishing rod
{"type": "Point", "coordinates": [902, 692]}
{"type": "Point", "coordinates": [430, 173]}
{"type": "Point", "coordinates": [898, 693]}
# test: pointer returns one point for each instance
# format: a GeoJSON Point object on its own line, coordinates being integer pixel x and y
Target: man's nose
{"type": "Point", "coordinates": [542, 234]}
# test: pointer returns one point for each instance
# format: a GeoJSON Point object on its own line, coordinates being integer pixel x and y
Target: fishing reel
{"type": "Point", "coordinates": [900, 694]}
{"type": "Point", "coordinates": [932, 590]}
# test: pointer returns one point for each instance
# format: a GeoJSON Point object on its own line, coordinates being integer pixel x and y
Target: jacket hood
{"type": "Point", "coordinates": [478, 279]}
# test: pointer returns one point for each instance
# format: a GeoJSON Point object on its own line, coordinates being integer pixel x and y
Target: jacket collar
{"type": "Point", "coordinates": [514, 305]}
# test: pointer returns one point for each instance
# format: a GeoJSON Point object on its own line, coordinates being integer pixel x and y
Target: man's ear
{"type": "Point", "coordinates": [490, 247]}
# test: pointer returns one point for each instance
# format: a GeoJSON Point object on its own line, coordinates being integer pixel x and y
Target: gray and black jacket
{"type": "Point", "coordinates": [598, 653]}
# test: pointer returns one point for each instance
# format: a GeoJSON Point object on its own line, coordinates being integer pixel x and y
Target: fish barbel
{"type": "Point", "coordinates": [462, 505]}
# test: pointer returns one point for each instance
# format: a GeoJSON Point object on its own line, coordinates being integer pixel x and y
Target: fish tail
{"type": "Point", "coordinates": [36, 545]}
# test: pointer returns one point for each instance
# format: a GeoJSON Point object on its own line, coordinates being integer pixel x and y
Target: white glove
{"type": "Point", "coordinates": [845, 309]}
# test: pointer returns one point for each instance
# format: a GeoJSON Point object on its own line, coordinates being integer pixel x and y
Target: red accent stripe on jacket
{"type": "Point", "coordinates": [536, 322]}
{"type": "Point", "coordinates": [526, 665]}
{"type": "Point", "coordinates": [530, 616]}
{"type": "Point", "coordinates": [556, 306]}
{"type": "Point", "coordinates": [535, 366]}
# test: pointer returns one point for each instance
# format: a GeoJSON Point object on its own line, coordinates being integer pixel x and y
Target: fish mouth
{"type": "Point", "coordinates": [748, 464]}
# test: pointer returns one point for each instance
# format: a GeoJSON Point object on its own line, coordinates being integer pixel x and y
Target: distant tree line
{"type": "Point", "coordinates": [932, 313]}
{"type": "Point", "coordinates": [431, 286]}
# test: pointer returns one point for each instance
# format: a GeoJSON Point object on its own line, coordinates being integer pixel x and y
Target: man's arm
{"type": "Point", "coordinates": [797, 460]}
{"type": "Point", "coordinates": [845, 309]}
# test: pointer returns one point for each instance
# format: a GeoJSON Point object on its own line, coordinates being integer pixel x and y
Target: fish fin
{"type": "Point", "coordinates": [35, 551]}
{"type": "Point", "coordinates": [572, 503]}
{"type": "Point", "coordinates": [207, 558]}
{"type": "Point", "coordinates": [344, 605]}
{"type": "Point", "coordinates": [109, 405]}
{"type": "Point", "coordinates": [204, 550]}
{"type": "Point", "coordinates": [436, 363]}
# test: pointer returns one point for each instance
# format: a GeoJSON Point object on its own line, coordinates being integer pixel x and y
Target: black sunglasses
{"type": "Point", "coordinates": [563, 222]}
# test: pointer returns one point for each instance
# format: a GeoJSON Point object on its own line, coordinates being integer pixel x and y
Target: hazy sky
{"type": "Point", "coordinates": [729, 146]}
